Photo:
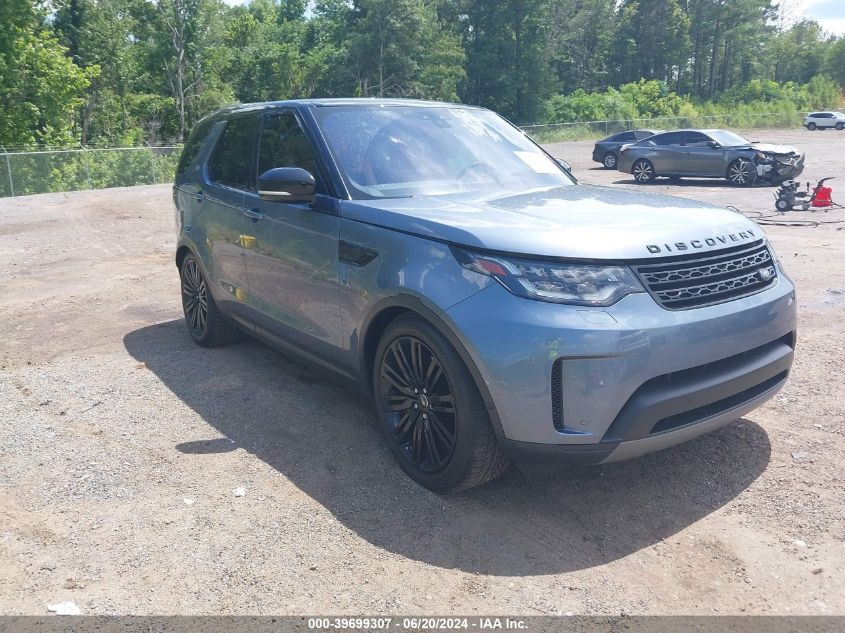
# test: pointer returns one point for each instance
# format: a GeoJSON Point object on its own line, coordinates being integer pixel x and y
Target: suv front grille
{"type": "Point", "coordinates": [704, 281]}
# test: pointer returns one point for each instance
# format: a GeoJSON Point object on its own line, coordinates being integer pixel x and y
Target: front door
{"type": "Point", "coordinates": [292, 251]}
{"type": "Point", "coordinates": [224, 182]}
{"type": "Point", "coordinates": [703, 160]}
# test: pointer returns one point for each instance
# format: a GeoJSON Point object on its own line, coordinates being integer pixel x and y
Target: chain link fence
{"type": "Point", "coordinates": [27, 172]}
{"type": "Point", "coordinates": [588, 130]}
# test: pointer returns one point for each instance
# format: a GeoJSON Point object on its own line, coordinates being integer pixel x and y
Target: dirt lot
{"type": "Point", "coordinates": [121, 444]}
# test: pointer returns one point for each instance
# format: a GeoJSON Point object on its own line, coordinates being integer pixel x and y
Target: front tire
{"type": "Point", "coordinates": [610, 161]}
{"type": "Point", "coordinates": [431, 411]}
{"type": "Point", "coordinates": [206, 325]}
{"type": "Point", "coordinates": [840, 126]}
{"type": "Point", "coordinates": [643, 171]}
{"type": "Point", "coordinates": [741, 173]}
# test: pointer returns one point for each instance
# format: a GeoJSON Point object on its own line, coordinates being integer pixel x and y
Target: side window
{"type": "Point", "coordinates": [624, 137]}
{"type": "Point", "coordinates": [195, 142]}
{"type": "Point", "coordinates": [233, 157]}
{"type": "Point", "coordinates": [670, 138]}
{"type": "Point", "coordinates": [284, 144]}
{"type": "Point", "coordinates": [697, 139]}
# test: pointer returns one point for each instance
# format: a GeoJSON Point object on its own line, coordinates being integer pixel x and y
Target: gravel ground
{"type": "Point", "coordinates": [122, 445]}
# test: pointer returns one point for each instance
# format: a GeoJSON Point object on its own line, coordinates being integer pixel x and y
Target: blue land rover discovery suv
{"type": "Point", "coordinates": [496, 309]}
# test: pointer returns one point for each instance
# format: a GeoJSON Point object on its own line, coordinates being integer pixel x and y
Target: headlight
{"type": "Point", "coordinates": [573, 283]}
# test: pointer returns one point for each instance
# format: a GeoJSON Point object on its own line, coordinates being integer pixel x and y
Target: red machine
{"type": "Point", "coordinates": [789, 197]}
{"type": "Point", "coordinates": [822, 196]}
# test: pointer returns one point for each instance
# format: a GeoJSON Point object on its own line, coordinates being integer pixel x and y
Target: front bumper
{"type": "Point", "coordinates": [780, 168]}
{"type": "Point", "coordinates": [584, 385]}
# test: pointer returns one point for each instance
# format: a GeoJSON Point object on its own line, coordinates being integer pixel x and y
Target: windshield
{"type": "Point", "coordinates": [723, 137]}
{"type": "Point", "coordinates": [402, 151]}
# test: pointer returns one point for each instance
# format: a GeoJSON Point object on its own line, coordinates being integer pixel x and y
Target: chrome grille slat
{"type": "Point", "coordinates": [708, 280]}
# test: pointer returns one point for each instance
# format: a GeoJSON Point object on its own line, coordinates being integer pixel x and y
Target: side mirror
{"type": "Point", "coordinates": [286, 184]}
{"type": "Point", "coordinates": [713, 145]}
{"type": "Point", "coordinates": [566, 166]}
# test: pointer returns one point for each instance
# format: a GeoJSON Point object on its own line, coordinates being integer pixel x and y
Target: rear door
{"type": "Point", "coordinates": [226, 178]}
{"type": "Point", "coordinates": [292, 250]}
{"type": "Point", "coordinates": [668, 154]}
{"type": "Point", "coordinates": [623, 138]}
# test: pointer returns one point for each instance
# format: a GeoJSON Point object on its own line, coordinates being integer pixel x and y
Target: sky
{"type": "Point", "coordinates": [829, 13]}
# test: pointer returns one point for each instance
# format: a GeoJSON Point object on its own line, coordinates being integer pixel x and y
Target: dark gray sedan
{"type": "Point", "coordinates": [709, 154]}
{"type": "Point", "coordinates": [606, 151]}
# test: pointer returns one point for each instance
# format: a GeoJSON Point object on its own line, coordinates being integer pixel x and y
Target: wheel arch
{"type": "Point", "coordinates": [181, 253]}
{"type": "Point", "coordinates": [388, 310]}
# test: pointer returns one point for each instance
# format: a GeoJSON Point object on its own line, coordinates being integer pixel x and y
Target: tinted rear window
{"type": "Point", "coordinates": [623, 137]}
{"type": "Point", "coordinates": [195, 142]}
{"type": "Point", "coordinates": [232, 161]}
{"type": "Point", "coordinates": [670, 138]}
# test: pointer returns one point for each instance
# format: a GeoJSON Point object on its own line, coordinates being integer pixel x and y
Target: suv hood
{"type": "Point", "coordinates": [575, 221]}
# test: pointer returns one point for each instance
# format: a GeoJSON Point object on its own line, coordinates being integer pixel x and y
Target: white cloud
{"type": "Point", "coordinates": [829, 13]}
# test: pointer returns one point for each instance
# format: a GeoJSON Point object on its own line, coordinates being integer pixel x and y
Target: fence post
{"type": "Point", "coordinates": [152, 163]}
{"type": "Point", "coordinates": [9, 169]}
{"type": "Point", "coordinates": [86, 157]}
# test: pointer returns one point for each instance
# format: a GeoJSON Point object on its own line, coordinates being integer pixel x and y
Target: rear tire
{"type": "Point", "coordinates": [782, 205]}
{"type": "Point", "coordinates": [431, 412]}
{"type": "Point", "coordinates": [610, 161]}
{"type": "Point", "coordinates": [741, 173]}
{"type": "Point", "coordinates": [206, 325]}
{"type": "Point", "coordinates": [643, 171]}
{"type": "Point", "coordinates": [811, 126]}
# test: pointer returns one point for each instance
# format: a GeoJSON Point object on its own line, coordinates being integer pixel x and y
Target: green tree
{"type": "Point", "coordinates": [40, 86]}
{"type": "Point", "coordinates": [835, 61]}
{"type": "Point", "coordinates": [580, 40]}
{"type": "Point", "coordinates": [400, 48]}
{"type": "Point", "coordinates": [507, 66]}
{"type": "Point", "coordinates": [652, 40]}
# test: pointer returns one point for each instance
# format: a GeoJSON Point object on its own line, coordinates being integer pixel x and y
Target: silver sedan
{"type": "Point", "coordinates": [709, 154]}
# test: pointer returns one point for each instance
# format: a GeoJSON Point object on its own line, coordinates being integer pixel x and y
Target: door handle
{"type": "Point", "coordinates": [199, 195]}
{"type": "Point", "coordinates": [253, 214]}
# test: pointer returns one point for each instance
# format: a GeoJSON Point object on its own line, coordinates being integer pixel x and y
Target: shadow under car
{"type": "Point", "coordinates": [323, 439]}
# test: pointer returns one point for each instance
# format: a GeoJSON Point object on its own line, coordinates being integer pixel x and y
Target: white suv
{"type": "Point", "coordinates": [824, 119]}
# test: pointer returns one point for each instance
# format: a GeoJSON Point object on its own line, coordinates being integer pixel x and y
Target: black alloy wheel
{"type": "Point", "coordinates": [419, 404]}
{"type": "Point", "coordinates": [206, 325]}
{"type": "Point", "coordinates": [194, 298]}
{"type": "Point", "coordinates": [435, 421]}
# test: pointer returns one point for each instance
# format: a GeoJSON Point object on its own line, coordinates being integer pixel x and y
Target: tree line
{"type": "Point", "coordinates": [129, 72]}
